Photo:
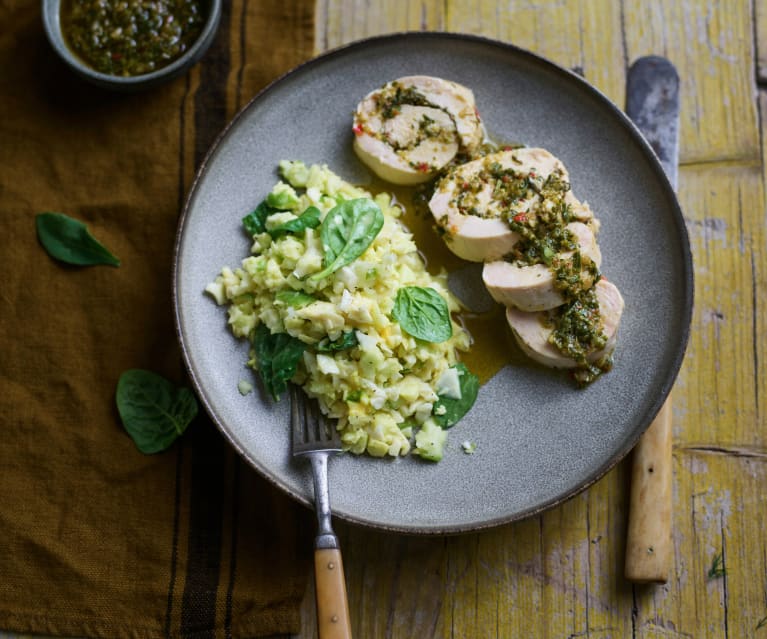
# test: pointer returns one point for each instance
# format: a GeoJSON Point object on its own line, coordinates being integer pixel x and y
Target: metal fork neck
{"type": "Point", "coordinates": [326, 538]}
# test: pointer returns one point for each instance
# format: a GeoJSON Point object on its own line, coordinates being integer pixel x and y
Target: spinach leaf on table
{"type": "Point", "coordinates": [423, 313]}
{"type": "Point", "coordinates": [153, 411]}
{"type": "Point", "coordinates": [348, 229]}
{"type": "Point", "coordinates": [68, 240]}
{"type": "Point", "coordinates": [277, 355]}
{"type": "Point", "coordinates": [455, 409]}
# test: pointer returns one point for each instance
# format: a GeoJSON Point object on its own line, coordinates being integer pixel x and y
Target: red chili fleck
{"type": "Point", "coordinates": [476, 112]}
{"type": "Point", "coordinates": [506, 179]}
{"type": "Point", "coordinates": [520, 217]}
{"type": "Point", "coordinates": [422, 167]}
{"type": "Point", "coordinates": [532, 174]}
{"type": "Point", "coordinates": [506, 148]}
{"type": "Point", "coordinates": [357, 129]}
{"type": "Point", "coordinates": [465, 186]}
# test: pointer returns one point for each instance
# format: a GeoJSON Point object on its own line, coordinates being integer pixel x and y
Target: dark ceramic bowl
{"type": "Point", "coordinates": [52, 23]}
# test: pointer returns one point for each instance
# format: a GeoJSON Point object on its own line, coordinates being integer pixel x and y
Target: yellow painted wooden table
{"type": "Point", "coordinates": [561, 574]}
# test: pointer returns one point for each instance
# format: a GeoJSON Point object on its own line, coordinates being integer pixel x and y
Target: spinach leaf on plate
{"type": "Point", "coordinates": [455, 409]}
{"type": "Point", "coordinates": [255, 222]}
{"type": "Point", "coordinates": [348, 229]}
{"type": "Point", "coordinates": [153, 411]}
{"type": "Point", "coordinates": [277, 355]}
{"type": "Point", "coordinates": [68, 240]}
{"type": "Point", "coordinates": [296, 299]}
{"type": "Point", "coordinates": [309, 219]}
{"type": "Point", "coordinates": [423, 313]}
{"type": "Point", "coordinates": [348, 339]}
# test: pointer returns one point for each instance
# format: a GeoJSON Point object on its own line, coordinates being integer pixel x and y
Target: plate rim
{"type": "Point", "coordinates": [677, 217]}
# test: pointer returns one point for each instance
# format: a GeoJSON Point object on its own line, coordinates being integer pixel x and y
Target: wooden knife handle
{"type": "Point", "coordinates": [332, 606]}
{"type": "Point", "coordinates": [648, 543]}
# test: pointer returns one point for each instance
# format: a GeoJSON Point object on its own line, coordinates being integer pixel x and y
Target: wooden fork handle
{"type": "Point", "coordinates": [648, 543]}
{"type": "Point", "coordinates": [332, 605]}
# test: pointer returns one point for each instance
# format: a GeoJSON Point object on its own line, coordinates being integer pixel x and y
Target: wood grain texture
{"type": "Point", "coordinates": [648, 539]}
{"type": "Point", "coordinates": [560, 574]}
{"type": "Point", "coordinates": [330, 594]}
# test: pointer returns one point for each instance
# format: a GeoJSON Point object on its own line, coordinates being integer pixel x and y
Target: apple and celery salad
{"type": "Point", "coordinates": [336, 298]}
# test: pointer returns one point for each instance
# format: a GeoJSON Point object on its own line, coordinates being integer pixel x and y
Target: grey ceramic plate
{"type": "Point", "coordinates": [539, 440]}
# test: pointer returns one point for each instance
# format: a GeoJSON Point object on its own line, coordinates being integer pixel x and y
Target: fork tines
{"type": "Point", "coordinates": [310, 430]}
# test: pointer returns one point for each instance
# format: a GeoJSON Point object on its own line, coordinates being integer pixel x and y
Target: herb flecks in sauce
{"type": "Point", "coordinates": [131, 37]}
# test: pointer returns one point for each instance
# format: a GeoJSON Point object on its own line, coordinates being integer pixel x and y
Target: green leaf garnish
{"type": "Point", "coordinates": [348, 229]}
{"type": "Point", "coordinates": [68, 240]}
{"type": "Point", "coordinates": [296, 299]}
{"type": "Point", "coordinates": [347, 340]}
{"type": "Point", "coordinates": [423, 313]}
{"type": "Point", "coordinates": [277, 355]}
{"type": "Point", "coordinates": [153, 411]}
{"type": "Point", "coordinates": [255, 222]}
{"type": "Point", "coordinates": [455, 409]}
{"type": "Point", "coordinates": [309, 219]}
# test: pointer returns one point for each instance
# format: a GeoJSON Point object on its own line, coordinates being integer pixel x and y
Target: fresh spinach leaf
{"type": "Point", "coordinates": [455, 409]}
{"type": "Point", "coordinates": [277, 355]}
{"type": "Point", "coordinates": [255, 222]}
{"type": "Point", "coordinates": [296, 299]}
{"type": "Point", "coordinates": [153, 411]}
{"type": "Point", "coordinates": [309, 219]}
{"type": "Point", "coordinates": [68, 240]}
{"type": "Point", "coordinates": [423, 313]}
{"type": "Point", "coordinates": [347, 231]}
{"type": "Point", "coordinates": [348, 339]}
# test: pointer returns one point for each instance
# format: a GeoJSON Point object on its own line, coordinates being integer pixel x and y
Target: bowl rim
{"type": "Point", "coordinates": [51, 15]}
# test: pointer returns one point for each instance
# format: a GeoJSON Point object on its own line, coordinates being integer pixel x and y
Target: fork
{"type": "Point", "coordinates": [314, 438]}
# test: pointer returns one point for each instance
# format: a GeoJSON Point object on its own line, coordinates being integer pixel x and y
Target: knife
{"type": "Point", "coordinates": [652, 103]}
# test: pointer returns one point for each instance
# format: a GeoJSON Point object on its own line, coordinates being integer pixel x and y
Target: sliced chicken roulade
{"type": "Point", "coordinates": [473, 203]}
{"type": "Point", "coordinates": [532, 287]}
{"type": "Point", "coordinates": [411, 128]}
{"type": "Point", "coordinates": [532, 333]}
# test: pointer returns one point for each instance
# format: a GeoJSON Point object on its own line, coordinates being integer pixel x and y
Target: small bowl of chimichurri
{"type": "Point", "coordinates": [130, 44]}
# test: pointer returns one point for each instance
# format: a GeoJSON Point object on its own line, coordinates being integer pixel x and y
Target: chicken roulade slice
{"type": "Point", "coordinates": [473, 202]}
{"type": "Point", "coordinates": [411, 128]}
{"type": "Point", "coordinates": [533, 337]}
{"type": "Point", "coordinates": [531, 288]}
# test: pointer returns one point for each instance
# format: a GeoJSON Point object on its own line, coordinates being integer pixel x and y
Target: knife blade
{"type": "Point", "coordinates": [652, 103]}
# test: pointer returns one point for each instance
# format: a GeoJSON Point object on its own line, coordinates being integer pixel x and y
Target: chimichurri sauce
{"type": "Point", "coordinates": [131, 37]}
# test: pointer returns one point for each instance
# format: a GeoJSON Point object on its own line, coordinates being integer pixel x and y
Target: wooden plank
{"type": "Point", "coordinates": [721, 510]}
{"type": "Point", "coordinates": [556, 30]}
{"type": "Point", "coordinates": [558, 573]}
{"type": "Point", "coordinates": [343, 22]}
{"type": "Point", "coordinates": [723, 376]}
{"type": "Point", "coordinates": [711, 44]}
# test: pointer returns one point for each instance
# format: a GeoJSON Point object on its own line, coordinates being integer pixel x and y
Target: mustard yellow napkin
{"type": "Point", "coordinates": [97, 539]}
